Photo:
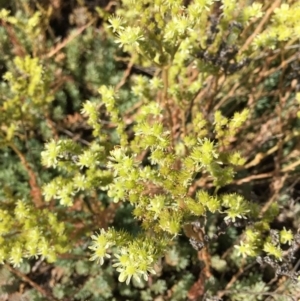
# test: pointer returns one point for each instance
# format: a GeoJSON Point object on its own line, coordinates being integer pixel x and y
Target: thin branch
{"type": "Point", "coordinates": [259, 27]}
{"type": "Point", "coordinates": [69, 39]}
{"type": "Point", "coordinates": [30, 282]}
{"type": "Point", "coordinates": [35, 189]}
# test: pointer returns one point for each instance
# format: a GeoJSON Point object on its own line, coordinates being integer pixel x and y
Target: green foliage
{"type": "Point", "coordinates": [167, 211]}
{"type": "Point", "coordinates": [166, 147]}
{"type": "Point", "coordinates": [181, 288]}
{"type": "Point", "coordinates": [27, 233]}
{"type": "Point", "coordinates": [252, 288]}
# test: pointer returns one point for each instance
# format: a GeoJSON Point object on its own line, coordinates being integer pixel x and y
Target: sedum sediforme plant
{"type": "Point", "coordinates": [31, 104]}
{"type": "Point", "coordinates": [179, 152]}
{"type": "Point", "coordinates": [27, 229]}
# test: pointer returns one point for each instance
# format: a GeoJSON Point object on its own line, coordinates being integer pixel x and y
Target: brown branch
{"type": "Point", "coordinates": [18, 47]}
{"type": "Point", "coordinates": [198, 288]}
{"type": "Point", "coordinates": [35, 189]}
{"type": "Point", "coordinates": [30, 282]}
{"type": "Point", "coordinates": [254, 177]}
{"type": "Point", "coordinates": [125, 75]}
{"type": "Point", "coordinates": [69, 39]}
{"type": "Point", "coordinates": [277, 186]}
{"type": "Point", "coordinates": [259, 27]}
{"type": "Point", "coordinates": [235, 277]}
